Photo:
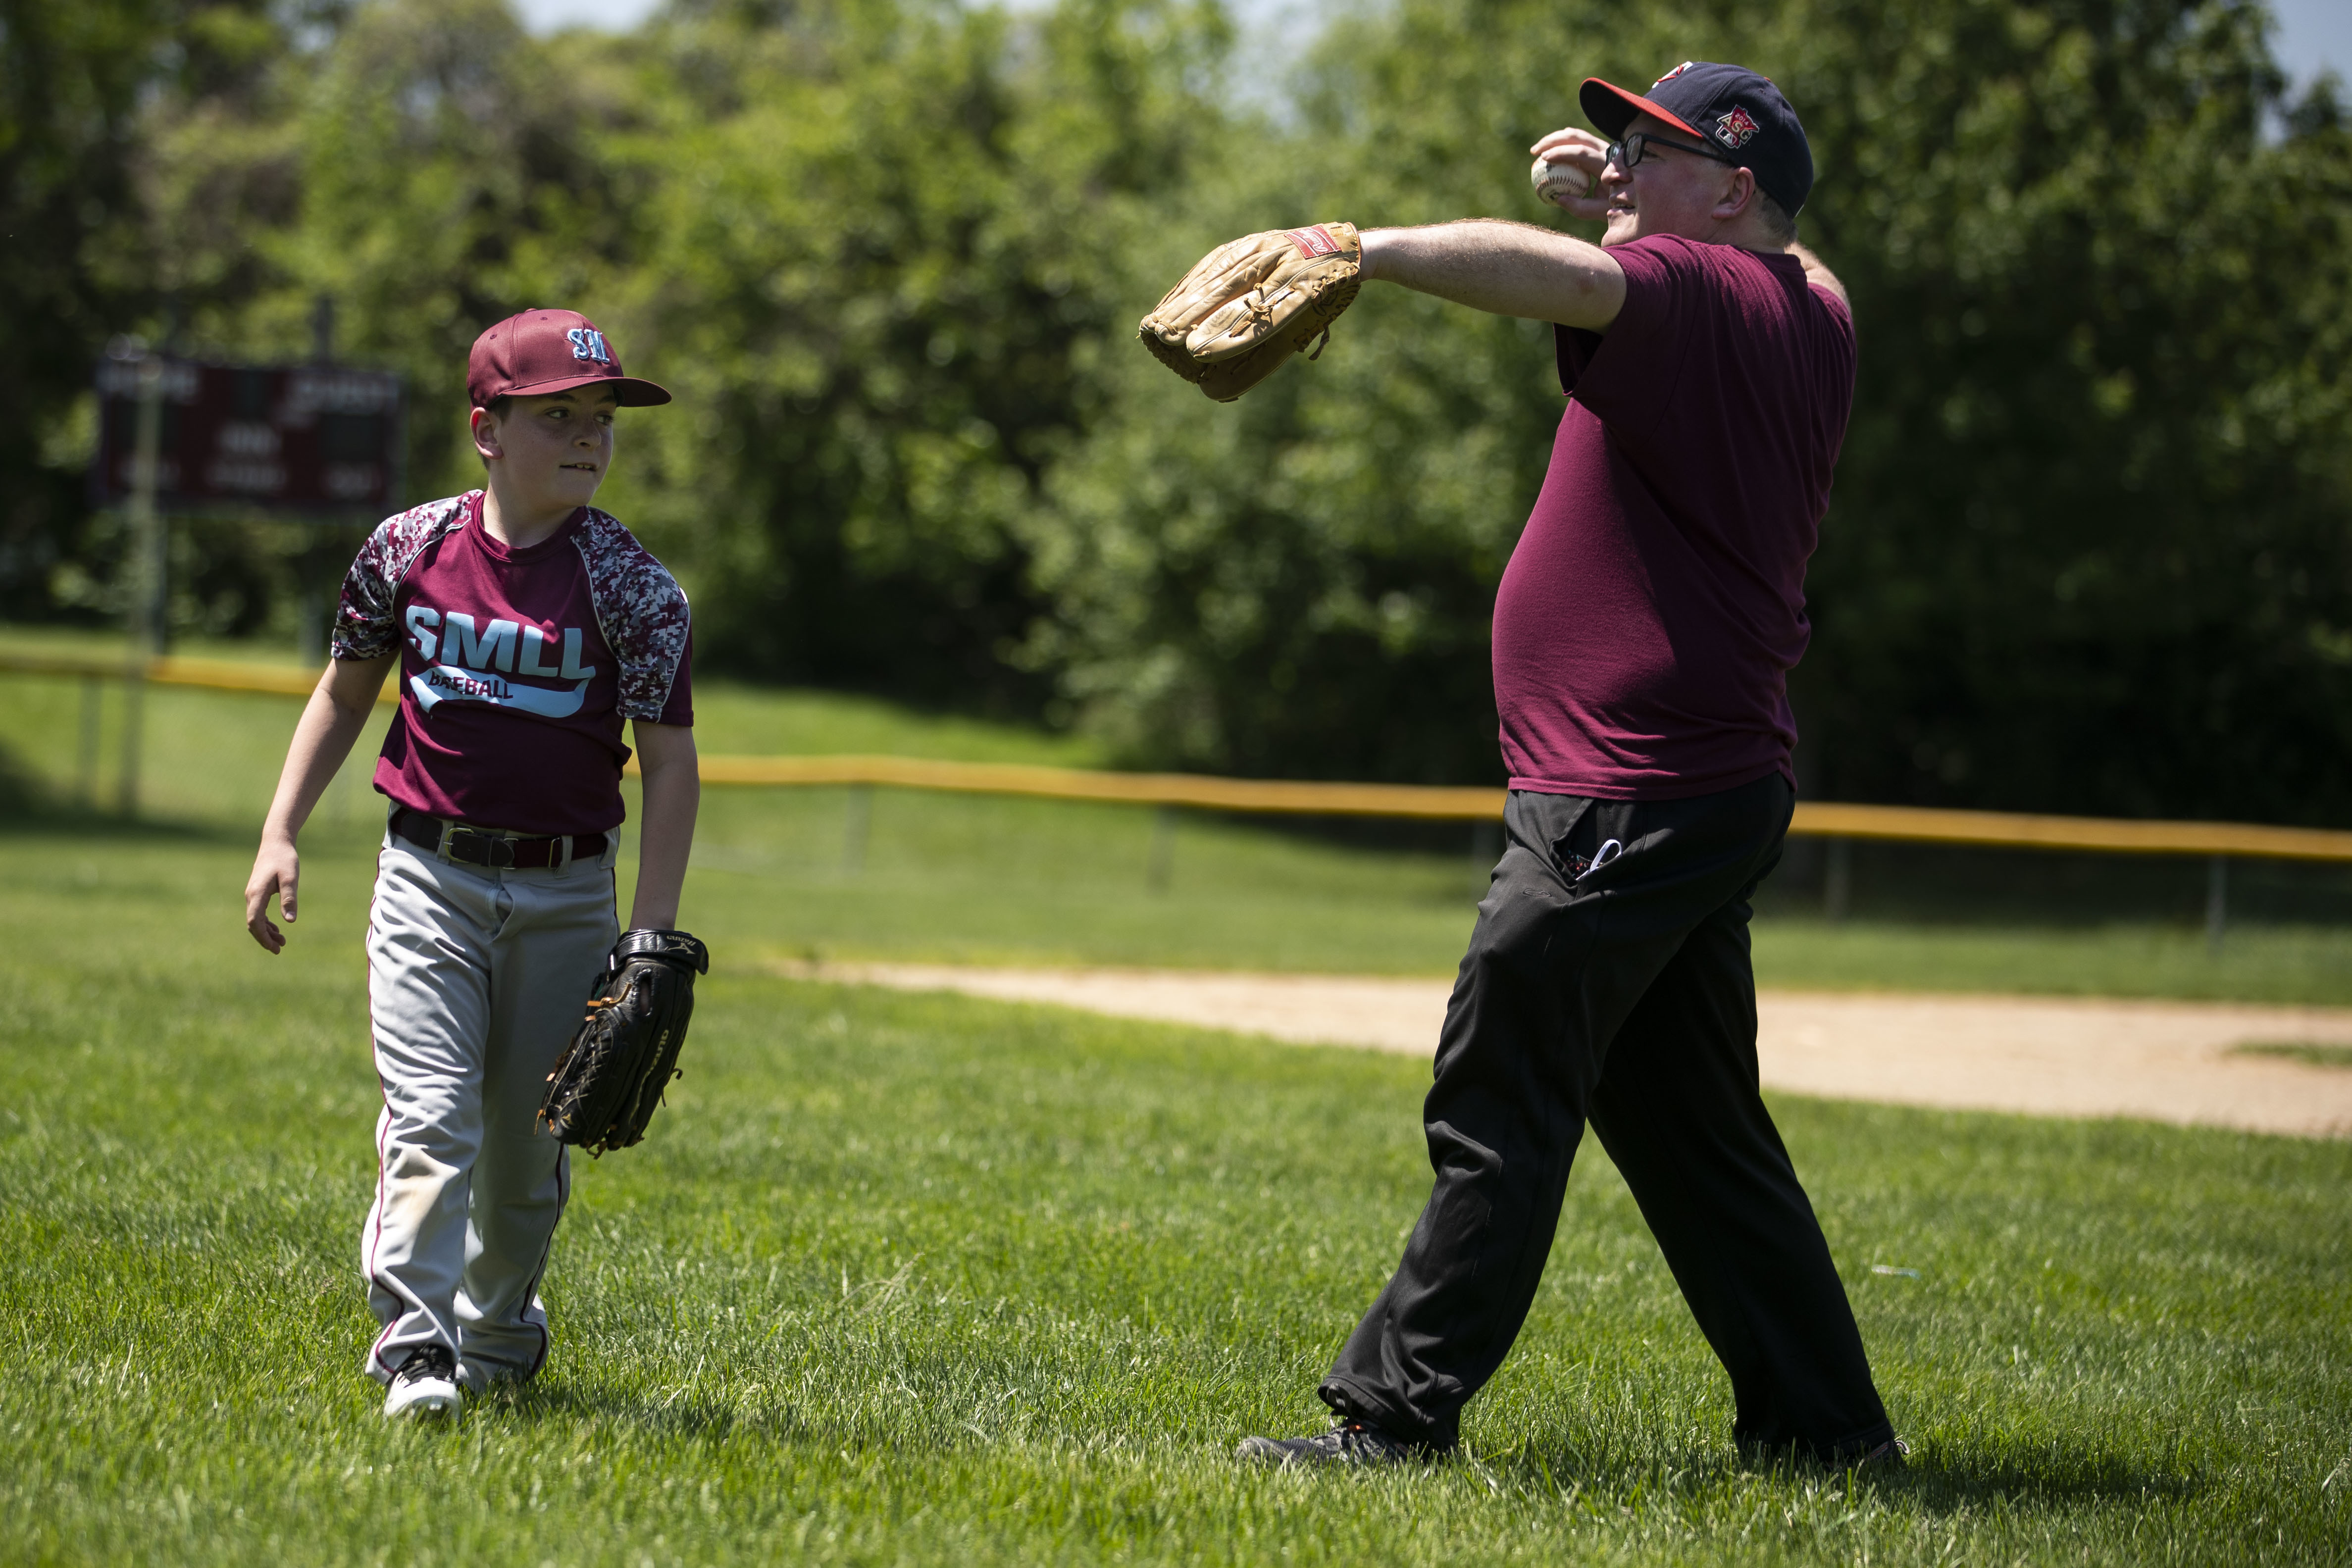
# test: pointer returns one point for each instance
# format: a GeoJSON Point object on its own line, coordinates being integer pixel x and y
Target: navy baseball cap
{"type": "Point", "coordinates": [1728, 106]}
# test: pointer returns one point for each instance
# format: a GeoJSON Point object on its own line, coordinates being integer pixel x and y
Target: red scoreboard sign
{"type": "Point", "coordinates": [299, 438]}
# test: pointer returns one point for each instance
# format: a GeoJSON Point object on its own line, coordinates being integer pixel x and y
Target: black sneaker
{"type": "Point", "coordinates": [1348, 1442]}
{"type": "Point", "coordinates": [425, 1384]}
{"type": "Point", "coordinates": [1888, 1455]}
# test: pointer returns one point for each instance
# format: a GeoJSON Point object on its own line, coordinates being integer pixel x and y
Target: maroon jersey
{"type": "Point", "coordinates": [517, 666]}
{"type": "Point", "coordinates": [1652, 609]}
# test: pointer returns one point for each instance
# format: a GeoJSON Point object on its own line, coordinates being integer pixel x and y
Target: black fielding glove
{"type": "Point", "coordinates": [610, 1079]}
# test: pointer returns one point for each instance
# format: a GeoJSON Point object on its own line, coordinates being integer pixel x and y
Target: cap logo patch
{"type": "Point", "coordinates": [1671, 74]}
{"type": "Point", "coordinates": [1733, 129]}
{"type": "Point", "coordinates": [587, 343]}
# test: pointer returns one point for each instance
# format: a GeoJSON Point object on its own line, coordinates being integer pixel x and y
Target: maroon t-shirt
{"type": "Point", "coordinates": [517, 666]}
{"type": "Point", "coordinates": [1647, 622]}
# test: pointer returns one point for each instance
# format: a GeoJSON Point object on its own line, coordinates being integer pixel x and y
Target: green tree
{"type": "Point", "coordinates": [2086, 548]}
{"type": "Point", "coordinates": [873, 242]}
{"type": "Point", "coordinates": [880, 258]}
{"type": "Point", "coordinates": [2086, 552]}
{"type": "Point", "coordinates": [453, 172]}
{"type": "Point", "coordinates": [1302, 582]}
{"type": "Point", "coordinates": [84, 251]}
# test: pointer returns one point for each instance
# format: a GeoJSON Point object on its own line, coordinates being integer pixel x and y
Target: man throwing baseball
{"type": "Point", "coordinates": [1643, 636]}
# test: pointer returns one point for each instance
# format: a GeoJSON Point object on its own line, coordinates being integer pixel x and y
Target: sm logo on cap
{"type": "Point", "coordinates": [587, 343]}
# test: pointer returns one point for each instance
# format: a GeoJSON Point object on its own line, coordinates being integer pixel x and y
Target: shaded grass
{"type": "Point", "coordinates": [976, 880]}
{"type": "Point", "coordinates": [2304, 1052]}
{"type": "Point", "coordinates": [789, 873]}
{"type": "Point", "coordinates": [916, 1279]}
{"type": "Point", "coordinates": [2278, 963]}
{"type": "Point", "coordinates": [215, 754]}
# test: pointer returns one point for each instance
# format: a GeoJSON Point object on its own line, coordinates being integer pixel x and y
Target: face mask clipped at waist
{"type": "Point", "coordinates": [1579, 868]}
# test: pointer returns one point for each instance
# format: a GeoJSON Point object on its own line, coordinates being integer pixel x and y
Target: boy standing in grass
{"type": "Point", "coordinates": [528, 626]}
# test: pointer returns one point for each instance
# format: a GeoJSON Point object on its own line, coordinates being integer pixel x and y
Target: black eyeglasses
{"type": "Point", "coordinates": [1627, 154]}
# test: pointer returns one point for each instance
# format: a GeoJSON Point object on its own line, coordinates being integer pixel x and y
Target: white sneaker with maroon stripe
{"type": "Point", "coordinates": [425, 1384]}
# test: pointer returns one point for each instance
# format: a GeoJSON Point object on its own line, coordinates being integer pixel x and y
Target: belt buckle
{"type": "Point", "coordinates": [459, 841]}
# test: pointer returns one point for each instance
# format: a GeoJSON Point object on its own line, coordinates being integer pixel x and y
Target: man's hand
{"type": "Point", "coordinates": [276, 870]}
{"type": "Point", "coordinates": [1586, 151]}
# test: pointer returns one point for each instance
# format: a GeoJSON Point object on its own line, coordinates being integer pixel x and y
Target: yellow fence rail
{"type": "Point", "coordinates": [1910, 824]}
{"type": "Point", "coordinates": [1270, 796]}
{"type": "Point", "coordinates": [201, 674]}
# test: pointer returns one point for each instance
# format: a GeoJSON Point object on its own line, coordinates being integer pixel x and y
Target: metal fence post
{"type": "Point", "coordinates": [310, 623]}
{"type": "Point", "coordinates": [146, 575]}
{"type": "Point", "coordinates": [857, 817]}
{"type": "Point", "coordinates": [1163, 864]}
{"type": "Point", "coordinates": [1486, 849]}
{"type": "Point", "coordinates": [86, 757]}
{"type": "Point", "coordinates": [1837, 878]}
{"type": "Point", "coordinates": [2217, 900]}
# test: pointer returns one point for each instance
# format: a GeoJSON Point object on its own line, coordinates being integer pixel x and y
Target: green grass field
{"type": "Point", "coordinates": [915, 1280]}
{"type": "Point", "coordinates": [905, 1279]}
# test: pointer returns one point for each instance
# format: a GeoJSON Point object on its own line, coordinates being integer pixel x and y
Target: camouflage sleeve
{"type": "Point", "coordinates": [365, 625]}
{"type": "Point", "coordinates": [641, 610]}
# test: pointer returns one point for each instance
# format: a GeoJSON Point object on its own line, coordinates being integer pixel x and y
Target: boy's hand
{"type": "Point", "coordinates": [276, 870]}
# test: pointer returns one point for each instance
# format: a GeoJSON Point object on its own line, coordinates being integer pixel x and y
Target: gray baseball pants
{"type": "Point", "coordinates": [475, 979]}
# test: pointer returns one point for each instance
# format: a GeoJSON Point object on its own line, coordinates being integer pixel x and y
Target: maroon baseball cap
{"type": "Point", "coordinates": [542, 351]}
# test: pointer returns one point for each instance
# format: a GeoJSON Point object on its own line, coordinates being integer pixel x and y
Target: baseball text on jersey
{"type": "Point", "coordinates": [473, 661]}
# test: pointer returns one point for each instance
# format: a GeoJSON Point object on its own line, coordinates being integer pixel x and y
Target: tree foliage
{"type": "Point", "coordinates": [2088, 547]}
{"type": "Point", "coordinates": [2087, 550]}
{"type": "Point", "coordinates": [879, 252]}
{"type": "Point", "coordinates": [85, 210]}
{"type": "Point", "coordinates": [2091, 524]}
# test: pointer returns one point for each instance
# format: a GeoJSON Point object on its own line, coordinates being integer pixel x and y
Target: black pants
{"type": "Point", "coordinates": [1619, 994]}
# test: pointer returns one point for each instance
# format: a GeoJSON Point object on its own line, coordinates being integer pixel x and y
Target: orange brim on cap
{"type": "Point", "coordinates": [1637, 104]}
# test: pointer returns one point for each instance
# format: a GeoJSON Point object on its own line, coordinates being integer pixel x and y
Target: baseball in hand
{"type": "Point", "coordinates": [1558, 182]}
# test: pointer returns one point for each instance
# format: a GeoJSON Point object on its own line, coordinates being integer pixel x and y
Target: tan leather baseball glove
{"type": "Point", "coordinates": [1250, 304]}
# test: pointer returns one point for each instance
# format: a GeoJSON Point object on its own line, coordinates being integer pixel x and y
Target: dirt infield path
{"type": "Point", "coordinates": [2170, 1062]}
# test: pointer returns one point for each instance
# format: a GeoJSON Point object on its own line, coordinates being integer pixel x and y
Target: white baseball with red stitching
{"type": "Point", "coordinates": [1558, 182]}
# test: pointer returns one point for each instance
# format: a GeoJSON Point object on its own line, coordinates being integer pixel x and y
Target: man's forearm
{"type": "Point", "coordinates": [1509, 269]}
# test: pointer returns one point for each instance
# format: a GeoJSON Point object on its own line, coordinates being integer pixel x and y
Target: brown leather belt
{"type": "Point", "coordinates": [486, 847]}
